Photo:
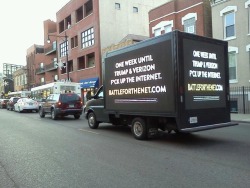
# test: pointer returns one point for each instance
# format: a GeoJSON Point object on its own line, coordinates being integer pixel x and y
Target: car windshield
{"type": "Point", "coordinates": [15, 99]}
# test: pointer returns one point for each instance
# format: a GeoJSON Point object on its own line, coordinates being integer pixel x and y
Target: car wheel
{"type": "Point", "coordinates": [77, 116]}
{"type": "Point", "coordinates": [41, 113]}
{"type": "Point", "coordinates": [139, 128]}
{"type": "Point", "coordinates": [53, 114]}
{"type": "Point", "coordinates": [93, 124]}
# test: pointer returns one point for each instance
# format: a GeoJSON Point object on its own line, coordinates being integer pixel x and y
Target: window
{"type": "Point", "coordinates": [247, 6]}
{"type": "Point", "coordinates": [61, 26]}
{"type": "Point", "coordinates": [64, 49]}
{"type": "Point", "coordinates": [216, 1]}
{"type": "Point", "coordinates": [165, 26]}
{"type": "Point", "coordinates": [79, 14]}
{"type": "Point", "coordinates": [81, 62]}
{"type": "Point", "coordinates": [41, 65]}
{"type": "Point", "coordinates": [232, 66]}
{"type": "Point", "coordinates": [232, 58]}
{"type": "Point", "coordinates": [54, 45]}
{"type": "Point", "coordinates": [42, 80]}
{"type": "Point", "coordinates": [91, 60]}
{"type": "Point", "coordinates": [229, 25]}
{"type": "Point", "coordinates": [88, 8]}
{"type": "Point", "coordinates": [55, 62]}
{"type": "Point", "coordinates": [88, 38]}
{"type": "Point", "coordinates": [74, 41]}
{"type": "Point", "coordinates": [189, 25]}
{"type": "Point", "coordinates": [249, 19]}
{"type": "Point", "coordinates": [70, 66]}
{"type": "Point", "coordinates": [168, 28]}
{"type": "Point", "coordinates": [68, 22]}
{"type": "Point", "coordinates": [135, 9]}
{"type": "Point", "coordinates": [228, 14]}
{"type": "Point", "coordinates": [157, 32]}
{"type": "Point", "coordinates": [117, 6]}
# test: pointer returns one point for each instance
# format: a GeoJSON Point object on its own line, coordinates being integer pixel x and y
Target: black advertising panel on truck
{"type": "Point", "coordinates": [204, 63]}
{"type": "Point", "coordinates": [204, 75]}
{"type": "Point", "coordinates": [141, 78]}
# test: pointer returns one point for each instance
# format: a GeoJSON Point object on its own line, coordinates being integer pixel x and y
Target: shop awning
{"type": "Point", "coordinates": [90, 82]}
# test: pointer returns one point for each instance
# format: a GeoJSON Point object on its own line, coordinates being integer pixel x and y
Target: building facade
{"type": "Point", "coordinates": [231, 22]}
{"type": "Point", "coordinates": [34, 56]}
{"type": "Point", "coordinates": [7, 78]}
{"type": "Point", "coordinates": [85, 27]}
{"type": "Point", "coordinates": [192, 16]}
{"type": "Point", "coordinates": [20, 79]}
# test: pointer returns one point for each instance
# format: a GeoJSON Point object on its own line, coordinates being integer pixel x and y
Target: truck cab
{"type": "Point", "coordinates": [94, 109]}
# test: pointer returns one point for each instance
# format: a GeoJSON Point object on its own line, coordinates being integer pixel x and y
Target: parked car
{"type": "Point", "coordinates": [11, 102]}
{"type": "Point", "coordinates": [63, 104]}
{"type": "Point", "coordinates": [40, 102]}
{"type": "Point", "coordinates": [3, 103]}
{"type": "Point", "coordinates": [26, 104]}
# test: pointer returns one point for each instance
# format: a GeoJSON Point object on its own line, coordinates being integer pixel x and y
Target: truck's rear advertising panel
{"type": "Point", "coordinates": [140, 78]}
{"type": "Point", "coordinates": [204, 70]}
{"type": "Point", "coordinates": [206, 87]}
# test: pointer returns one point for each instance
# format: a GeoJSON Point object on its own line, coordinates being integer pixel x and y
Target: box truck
{"type": "Point", "coordinates": [174, 82]}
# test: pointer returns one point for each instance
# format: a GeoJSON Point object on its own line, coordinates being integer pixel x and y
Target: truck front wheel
{"type": "Point", "coordinates": [139, 128]}
{"type": "Point", "coordinates": [93, 124]}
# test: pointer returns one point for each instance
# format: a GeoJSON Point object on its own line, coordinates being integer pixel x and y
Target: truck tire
{"type": "Point", "coordinates": [139, 129]}
{"type": "Point", "coordinates": [93, 123]}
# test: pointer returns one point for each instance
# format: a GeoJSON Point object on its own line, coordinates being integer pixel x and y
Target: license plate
{"type": "Point", "coordinates": [71, 105]}
{"type": "Point", "coordinates": [30, 104]}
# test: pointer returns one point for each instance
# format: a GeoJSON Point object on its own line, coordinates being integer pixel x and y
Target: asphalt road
{"type": "Point", "coordinates": [37, 152]}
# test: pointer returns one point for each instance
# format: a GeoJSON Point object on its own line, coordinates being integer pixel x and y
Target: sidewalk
{"type": "Point", "coordinates": [240, 117]}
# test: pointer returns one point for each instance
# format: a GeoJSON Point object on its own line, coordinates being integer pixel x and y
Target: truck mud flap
{"type": "Point", "coordinates": [207, 127]}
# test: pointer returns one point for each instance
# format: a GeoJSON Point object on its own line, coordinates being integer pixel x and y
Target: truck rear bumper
{"type": "Point", "coordinates": [208, 127]}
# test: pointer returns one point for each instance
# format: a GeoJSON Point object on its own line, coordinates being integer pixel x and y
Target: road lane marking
{"type": "Point", "coordinates": [88, 131]}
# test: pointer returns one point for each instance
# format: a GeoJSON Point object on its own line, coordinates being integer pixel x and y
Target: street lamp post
{"type": "Point", "coordinates": [65, 39]}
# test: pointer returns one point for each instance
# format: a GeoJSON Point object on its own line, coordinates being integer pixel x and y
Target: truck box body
{"type": "Point", "coordinates": [178, 75]}
{"type": "Point", "coordinates": [174, 82]}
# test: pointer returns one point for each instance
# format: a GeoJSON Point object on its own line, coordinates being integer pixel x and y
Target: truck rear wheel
{"type": "Point", "coordinates": [93, 123]}
{"type": "Point", "coordinates": [139, 129]}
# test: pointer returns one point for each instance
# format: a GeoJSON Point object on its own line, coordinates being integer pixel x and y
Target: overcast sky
{"type": "Point", "coordinates": [22, 26]}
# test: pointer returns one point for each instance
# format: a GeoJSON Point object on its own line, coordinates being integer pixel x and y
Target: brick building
{"type": "Point", "coordinates": [34, 57]}
{"type": "Point", "coordinates": [83, 29]}
{"type": "Point", "coordinates": [192, 16]}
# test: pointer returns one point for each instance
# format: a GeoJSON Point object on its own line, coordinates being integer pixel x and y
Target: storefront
{"type": "Point", "coordinates": [89, 87]}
